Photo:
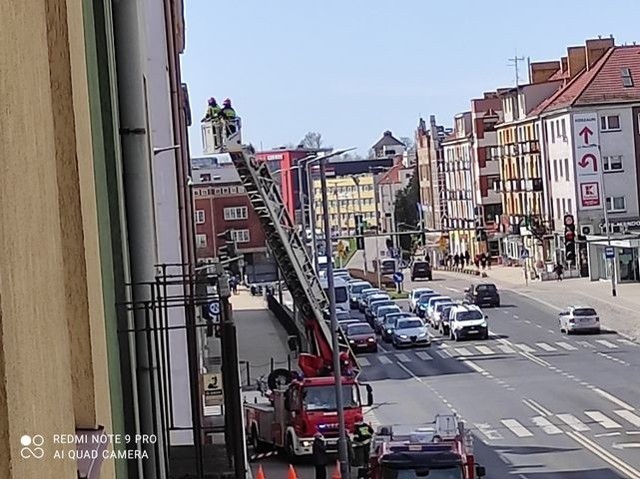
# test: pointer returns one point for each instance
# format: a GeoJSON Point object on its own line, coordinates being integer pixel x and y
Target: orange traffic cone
{"type": "Point", "coordinates": [260, 474]}
{"type": "Point", "coordinates": [336, 474]}
{"type": "Point", "coordinates": [292, 473]}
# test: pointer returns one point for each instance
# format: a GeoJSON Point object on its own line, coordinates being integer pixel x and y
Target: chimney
{"type": "Point", "coordinates": [540, 72]}
{"type": "Point", "coordinates": [577, 59]}
{"type": "Point", "coordinates": [564, 64]}
{"type": "Point", "coordinates": [597, 48]}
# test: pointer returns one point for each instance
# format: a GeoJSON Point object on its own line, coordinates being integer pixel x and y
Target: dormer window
{"type": "Point", "coordinates": [627, 80]}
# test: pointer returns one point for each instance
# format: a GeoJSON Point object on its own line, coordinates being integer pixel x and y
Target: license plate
{"type": "Point", "coordinates": [473, 331]}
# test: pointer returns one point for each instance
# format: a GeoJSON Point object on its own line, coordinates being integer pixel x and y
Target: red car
{"type": "Point", "coordinates": [361, 337]}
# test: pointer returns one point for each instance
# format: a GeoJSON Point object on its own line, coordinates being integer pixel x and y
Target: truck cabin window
{"type": "Point", "coordinates": [323, 398]}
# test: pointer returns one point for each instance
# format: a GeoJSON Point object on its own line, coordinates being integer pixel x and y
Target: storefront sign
{"type": "Point", "coordinates": [625, 224]}
{"type": "Point", "coordinates": [587, 160]}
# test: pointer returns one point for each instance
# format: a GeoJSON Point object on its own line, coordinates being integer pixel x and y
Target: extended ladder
{"type": "Point", "coordinates": [290, 253]}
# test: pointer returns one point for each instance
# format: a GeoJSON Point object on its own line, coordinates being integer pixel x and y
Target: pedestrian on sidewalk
{"type": "Point", "coordinates": [467, 258]}
{"type": "Point", "coordinates": [319, 456]}
{"type": "Point", "coordinates": [559, 270]}
{"type": "Point", "coordinates": [483, 261]}
{"type": "Point", "coordinates": [456, 260]}
{"type": "Point", "coordinates": [476, 261]}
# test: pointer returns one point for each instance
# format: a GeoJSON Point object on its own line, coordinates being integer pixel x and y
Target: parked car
{"type": "Point", "coordinates": [380, 313]}
{"type": "Point", "coordinates": [364, 294]}
{"type": "Point", "coordinates": [468, 321]}
{"type": "Point", "coordinates": [421, 307]}
{"type": "Point", "coordinates": [379, 296]}
{"type": "Point", "coordinates": [410, 332]}
{"type": "Point", "coordinates": [431, 306]}
{"type": "Point", "coordinates": [414, 296]}
{"type": "Point", "coordinates": [576, 319]}
{"type": "Point", "coordinates": [355, 291]}
{"type": "Point", "coordinates": [421, 270]}
{"type": "Point", "coordinates": [342, 315]}
{"type": "Point", "coordinates": [362, 337]}
{"type": "Point", "coordinates": [441, 317]}
{"type": "Point", "coordinates": [483, 294]}
{"type": "Point", "coordinates": [342, 273]}
{"type": "Point", "coordinates": [373, 309]}
{"type": "Point", "coordinates": [346, 322]}
{"type": "Point", "coordinates": [389, 324]}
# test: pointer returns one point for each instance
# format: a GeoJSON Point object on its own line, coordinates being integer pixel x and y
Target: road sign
{"type": "Point", "coordinates": [524, 254]}
{"type": "Point", "coordinates": [214, 311]}
{"type": "Point", "coordinates": [609, 252]}
{"type": "Point", "coordinates": [587, 160]}
{"type": "Point", "coordinates": [590, 194]}
{"type": "Point", "coordinates": [213, 392]}
{"type": "Point", "coordinates": [398, 277]}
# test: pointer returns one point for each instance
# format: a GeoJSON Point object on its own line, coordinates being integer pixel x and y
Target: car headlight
{"type": "Point", "coordinates": [483, 324]}
{"type": "Point", "coordinates": [306, 443]}
{"type": "Point", "coordinates": [389, 331]}
{"type": "Point", "coordinates": [423, 334]}
{"type": "Point", "coordinates": [371, 340]}
{"type": "Point", "coordinates": [351, 341]}
{"type": "Point", "coordinates": [403, 336]}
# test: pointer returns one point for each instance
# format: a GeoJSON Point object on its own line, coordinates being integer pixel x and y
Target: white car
{"type": "Point", "coordinates": [414, 296]}
{"type": "Point", "coordinates": [468, 321]}
{"type": "Point", "coordinates": [578, 319]}
{"type": "Point", "coordinates": [431, 306]}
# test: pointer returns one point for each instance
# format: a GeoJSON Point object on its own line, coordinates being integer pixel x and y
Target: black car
{"type": "Point", "coordinates": [421, 270]}
{"type": "Point", "coordinates": [483, 294]}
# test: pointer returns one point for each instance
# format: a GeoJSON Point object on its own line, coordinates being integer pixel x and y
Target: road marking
{"type": "Point", "coordinates": [453, 289]}
{"type": "Point", "coordinates": [546, 425]}
{"type": "Point", "coordinates": [573, 422]}
{"type": "Point", "coordinates": [566, 346]}
{"type": "Point", "coordinates": [607, 434]}
{"type": "Point", "coordinates": [515, 316]}
{"type": "Point", "coordinates": [516, 428]}
{"type": "Point", "coordinates": [606, 343]}
{"type": "Point", "coordinates": [364, 362]}
{"type": "Point", "coordinates": [628, 416]}
{"type": "Point", "coordinates": [505, 312]}
{"type": "Point", "coordinates": [603, 420]}
{"type": "Point", "coordinates": [488, 431]}
{"type": "Point", "coordinates": [444, 354]}
{"type": "Point", "coordinates": [546, 347]}
{"type": "Point", "coordinates": [613, 399]}
{"type": "Point", "coordinates": [473, 366]}
{"type": "Point", "coordinates": [525, 348]}
{"type": "Point", "coordinates": [403, 358]}
{"type": "Point", "coordinates": [527, 321]}
{"type": "Point", "coordinates": [424, 356]}
{"type": "Point", "coordinates": [485, 350]}
{"type": "Point", "coordinates": [585, 344]}
{"type": "Point", "coordinates": [537, 407]}
{"type": "Point", "coordinates": [599, 451]}
{"type": "Point", "coordinates": [384, 360]}
{"type": "Point", "coordinates": [463, 352]}
{"type": "Point", "coordinates": [551, 331]}
{"type": "Point", "coordinates": [506, 348]}
{"type": "Point", "coordinates": [627, 342]}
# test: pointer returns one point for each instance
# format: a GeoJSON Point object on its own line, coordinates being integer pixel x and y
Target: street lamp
{"type": "Point", "coordinates": [374, 170]}
{"type": "Point", "coordinates": [356, 180]}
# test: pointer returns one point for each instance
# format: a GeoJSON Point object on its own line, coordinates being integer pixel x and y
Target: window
{"type": "Point", "coordinates": [570, 206]}
{"type": "Point", "coordinates": [564, 205]}
{"type": "Point", "coordinates": [616, 204]}
{"type": "Point", "coordinates": [627, 80]}
{"type": "Point", "coordinates": [199, 217]}
{"type": "Point", "coordinates": [612, 163]}
{"type": "Point", "coordinates": [553, 132]}
{"type": "Point", "coordinates": [555, 169]}
{"type": "Point", "coordinates": [564, 129]}
{"type": "Point", "coordinates": [225, 191]}
{"type": "Point", "coordinates": [560, 167]}
{"type": "Point", "coordinates": [201, 241]}
{"type": "Point", "coordinates": [236, 213]}
{"type": "Point", "coordinates": [558, 210]}
{"type": "Point", "coordinates": [610, 123]}
{"type": "Point", "coordinates": [566, 168]}
{"type": "Point", "coordinates": [241, 236]}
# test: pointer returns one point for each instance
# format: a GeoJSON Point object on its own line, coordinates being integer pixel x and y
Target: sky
{"type": "Point", "coordinates": [351, 69]}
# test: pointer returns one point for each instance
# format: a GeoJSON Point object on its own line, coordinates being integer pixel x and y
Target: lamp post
{"type": "Point", "coordinates": [356, 180]}
{"type": "Point", "coordinates": [373, 170]}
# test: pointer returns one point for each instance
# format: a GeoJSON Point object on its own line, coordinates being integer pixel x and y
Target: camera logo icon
{"type": "Point", "coordinates": [31, 446]}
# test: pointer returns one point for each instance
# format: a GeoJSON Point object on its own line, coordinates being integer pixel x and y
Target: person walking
{"type": "Point", "coordinates": [559, 270]}
{"type": "Point", "coordinates": [319, 456]}
{"type": "Point", "coordinates": [467, 258]}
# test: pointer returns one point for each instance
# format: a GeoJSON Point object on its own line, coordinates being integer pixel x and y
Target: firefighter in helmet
{"type": "Point", "coordinates": [213, 110]}
{"type": "Point", "coordinates": [362, 443]}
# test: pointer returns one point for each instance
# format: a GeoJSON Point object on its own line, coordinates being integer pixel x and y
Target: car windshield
{"type": "Point", "coordinates": [433, 301]}
{"type": "Point", "coordinates": [391, 320]}
{"type": "Point", "coordinates": [440, 307]}
{"type": "Point", "coordinates": [469, 315]}
{"type": "Point", "coordinates": [419, 292]}
{"type": "Point", "coordinates": [585, 312]}
{"type": "Point", "coordinates": [377, 305]}
{"type": "Point", "coordinates": [486, 288]}
{"type": "Point", "coordinates": [359, 287]}
{"type": "Point", "coordinates": [323, 398]}
{"type": "Point", "coordinates": [342, 315]}
{"type": "Point", "coordinates": [411, 323]}
{"type": "Point", "coordinates": [425, 298]}
{"type": "Point", "coordinates": [355, 329]}
{"type": "Point", "coordinates": [453, 472]}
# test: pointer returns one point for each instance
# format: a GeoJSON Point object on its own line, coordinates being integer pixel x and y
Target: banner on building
{"type": "Point", "coordinates": [588, 161]}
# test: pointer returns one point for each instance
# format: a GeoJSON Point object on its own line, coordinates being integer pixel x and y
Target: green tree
{"type": "Point", "coordinates": [406, 211]}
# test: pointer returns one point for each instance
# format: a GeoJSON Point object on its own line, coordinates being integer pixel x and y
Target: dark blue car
{"type": "Point", "coordinates": [421, 305]}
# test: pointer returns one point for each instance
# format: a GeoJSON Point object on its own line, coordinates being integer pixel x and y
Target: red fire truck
{"type": "Point", "coordinates": [444, 451]}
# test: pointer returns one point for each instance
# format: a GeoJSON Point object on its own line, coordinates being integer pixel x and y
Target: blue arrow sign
{"type": "Point", "coordinates": [398, 277]}
{"type": "Point", "coordinates": [214, 308]}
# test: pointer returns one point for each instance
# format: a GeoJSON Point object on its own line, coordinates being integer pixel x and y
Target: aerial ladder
{"type": "Point", "coordinates": [288, 248]}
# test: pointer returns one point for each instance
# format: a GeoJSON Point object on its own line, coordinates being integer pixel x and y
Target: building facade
{"type": "Point", "coordinates": [388, 185]}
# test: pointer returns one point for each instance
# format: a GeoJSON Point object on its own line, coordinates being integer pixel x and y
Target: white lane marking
{"type": "Point", "coordinates": [505, 348]}
{"type": "Point", "coordinates": [424, 356]}
{"type": "Point", "coordinates": [607, 434]}
{"type": "Point", "coordinates": [403, 358]}
{"type": "Point", "coordinates": [488, 431]}
{"type": "Point", "coordinates": [453, 289]}
{"type": "Point", "coordinates": [527, 321]}
{"type": "Point", "coordinates": [614, 399]}
{"type": "Point", "coordinates": [485, 350]}
{"type": "Point", "coordinates": [585, 344]}
{"type": "Point", "coordinates": [551, 331]}
{"type": "Point", "coordinates": [364, 362]}
{"type": "Point", "coordinates": [525, 348]}
{"type": "Point", "coordinates": [384, 360]}
{"type": "Point", "coordinates": [506, 312]}
{"type": "Point", "coordinates": [598, 450]}
{"type": "Point", "coordinates": [566, 346]}
{"type": "Point", "coordinates": [546, 425]}
{"type": "Point", "coordinates": [473, 366]}
{"type": "Point", "coordinates": [606, 343]}
{"type": "Point", "coordinates": [546, 347]}
{"type": "Point", "coordinates": [603, 420]}
{"type": "Point", "coordinates": [516, 428]}
{"type": "Point", "coordinates": [627, 342]}
{"type": "Point", "coordinates": [515, 316]}
{"type": "Point", "coordinates": [628, 416]}
{"type": "Point", "coordinates": [444, 354]}
{"type": "Point", "coordinates": [573, 422]}
{"type": "Point", "coordinates": [463, 352]}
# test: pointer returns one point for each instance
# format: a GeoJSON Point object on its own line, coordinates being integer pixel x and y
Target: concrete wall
{"type": "Point", "coordinates": [53, 365]}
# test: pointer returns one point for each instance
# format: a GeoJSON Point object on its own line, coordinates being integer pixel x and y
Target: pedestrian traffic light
{"type": "Point", "coordinates": [359, 232]}
{"type": "Point", "coordinates": [228, 250]}
{"type": "Point", "coordinates": [570, 238]}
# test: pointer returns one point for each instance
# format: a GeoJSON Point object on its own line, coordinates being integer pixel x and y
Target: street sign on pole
{"type": "Point", "coordinates": [609, 252]}
{"type": "Point", "coordinates": [524, 254]}
{"type": "Point", "coordinates": [588, 161]}
{"type": "Point", "coordinates": [398, 277]}
{"type": "Point", "coordinates": [214, 311]}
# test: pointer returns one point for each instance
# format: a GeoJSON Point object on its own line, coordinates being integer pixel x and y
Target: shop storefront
{"type": "Point", "coordinates": [626, 258]}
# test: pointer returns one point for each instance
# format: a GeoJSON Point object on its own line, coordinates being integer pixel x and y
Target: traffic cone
{"type": "Point", "coordinates": [336, 473]}
{"type": "Point", "coordinates": [292, 473]}
{"type": "Point", "coordinates": [260, 474]}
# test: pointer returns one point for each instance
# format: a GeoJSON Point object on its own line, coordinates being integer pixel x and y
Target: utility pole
{"type": "Point", "coordinates": [301, 199]}
{"type": "Point", "coordinates": [515, 63]}
{"type": "Point", "coordinates": [375, 207]}
{"type": "Point", "coordinates": [356, 180]}
{"type": "Point", "coordinates": [312, 216]}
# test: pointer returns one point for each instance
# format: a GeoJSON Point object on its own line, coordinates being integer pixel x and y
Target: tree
{"type": "Point", "coordinates": [312, 140]}
{"type": "Point", "coordinates": [406, 209]}
{"type": "Point", "coordinates": [409, 144]}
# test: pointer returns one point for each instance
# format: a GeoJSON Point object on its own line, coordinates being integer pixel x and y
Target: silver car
{"type": "Point", "coordinates": [431, 306]}
{"type": "Point", "coordinates": [579, 319]}
{"type": "Point", "coordinates": [411, 332]}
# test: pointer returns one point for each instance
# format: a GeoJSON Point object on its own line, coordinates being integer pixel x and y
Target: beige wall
{"type": "Point", "coordinates": [53, 373]}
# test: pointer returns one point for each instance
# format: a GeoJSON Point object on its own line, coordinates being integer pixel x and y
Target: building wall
{"type": "Point", "coordinates": [343, 192]}
{"type": "Point", "coordinates": [53, 362]}
{"type": "Point", "coordinates": [560, 159]}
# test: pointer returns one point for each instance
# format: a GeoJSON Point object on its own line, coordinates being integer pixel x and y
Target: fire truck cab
{"type": "Point", "coordinates": [442, 451]}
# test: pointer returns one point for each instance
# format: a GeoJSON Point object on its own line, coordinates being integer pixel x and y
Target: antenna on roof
{"type": "Point", "coordinates": [515, 62]}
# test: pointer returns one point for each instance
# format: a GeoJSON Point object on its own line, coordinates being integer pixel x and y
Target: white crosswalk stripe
{"type": "Point", "coordinates": [546, 347]}
{"type": "Point", "coordinates": [444, 354]}
{"type": "Point", "coordinates": [629, 416]}
{"type": "Point", "coordinates": [384, 360]}
{"type": "Point", "coordinates": [463, 352]}
{"type": "Point", "coordinates": [603, 420]}
{"type": "Point", "coordinates": [627, 342]}
{"type": "Point", "coordinates": [573, 422]}
{"type": "Point", "coordinates": [546, 425]}
{"type": "Point", "coordinates": [516, 428]}
{"type": "Point", "coordinates": [566, 346]}
{"type": "Point", "coordinates": [607, 344]}
{"type": "Point", "coordinates": [525, 348]}
{"type": "Point", "coordinates": [485, 350]}
{"type": "Point", "coordinates": [505, 348]}
{"type": "Point", "coordinates": [364, 362]}
{"type": "Point", "coordinates": [585, 344]}
{"type": "Point", "coordinates": [403, 358]}
{"type": "Point", "coordinates": [424, 356]}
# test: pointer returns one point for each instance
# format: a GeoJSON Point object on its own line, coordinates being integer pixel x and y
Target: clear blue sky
{"type": "Point", "coordinates": [351, 69]}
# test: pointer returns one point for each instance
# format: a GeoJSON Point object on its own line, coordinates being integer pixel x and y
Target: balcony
{"type": "Point", "coordinates": [528, 147]}
{"type": "Point", "coordinates": [495, 153]}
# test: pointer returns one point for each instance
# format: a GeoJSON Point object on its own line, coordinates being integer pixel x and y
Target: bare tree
{"type": "Point", "coordinates": [313, 139]}
{"type": "Point", "coordinates": [409, 144]}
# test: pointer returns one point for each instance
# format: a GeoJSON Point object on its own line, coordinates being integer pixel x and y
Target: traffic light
{"type": "Point", "coordinates": [229, 250]}
{"type": "Point", "coordinates": [359, 232]}
{"type": "Point", "coordinates": [570, 238]}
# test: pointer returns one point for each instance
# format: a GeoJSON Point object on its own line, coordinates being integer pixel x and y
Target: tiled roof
{"type": "Point", "coordinates": [387, 140]}
{"type": "Point", "coordinates": [559, 75]}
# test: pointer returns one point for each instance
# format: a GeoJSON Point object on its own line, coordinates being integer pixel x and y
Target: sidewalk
{"type": "Point", "coordinates": [620, 314]}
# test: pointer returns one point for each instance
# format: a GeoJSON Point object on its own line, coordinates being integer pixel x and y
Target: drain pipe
{"type": "Point", "coordinates": [136, 158]}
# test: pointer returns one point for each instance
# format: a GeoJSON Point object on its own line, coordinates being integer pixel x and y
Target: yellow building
{"type": "Point", "coordinates": [348, 196]}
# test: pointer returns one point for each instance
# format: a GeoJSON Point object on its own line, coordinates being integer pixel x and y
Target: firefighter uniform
{"type": "Point", "coordinates": [362, 441]}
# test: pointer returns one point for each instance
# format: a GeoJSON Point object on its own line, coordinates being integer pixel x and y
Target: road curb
{"type": "Point", "coordinates": [468, 271]}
